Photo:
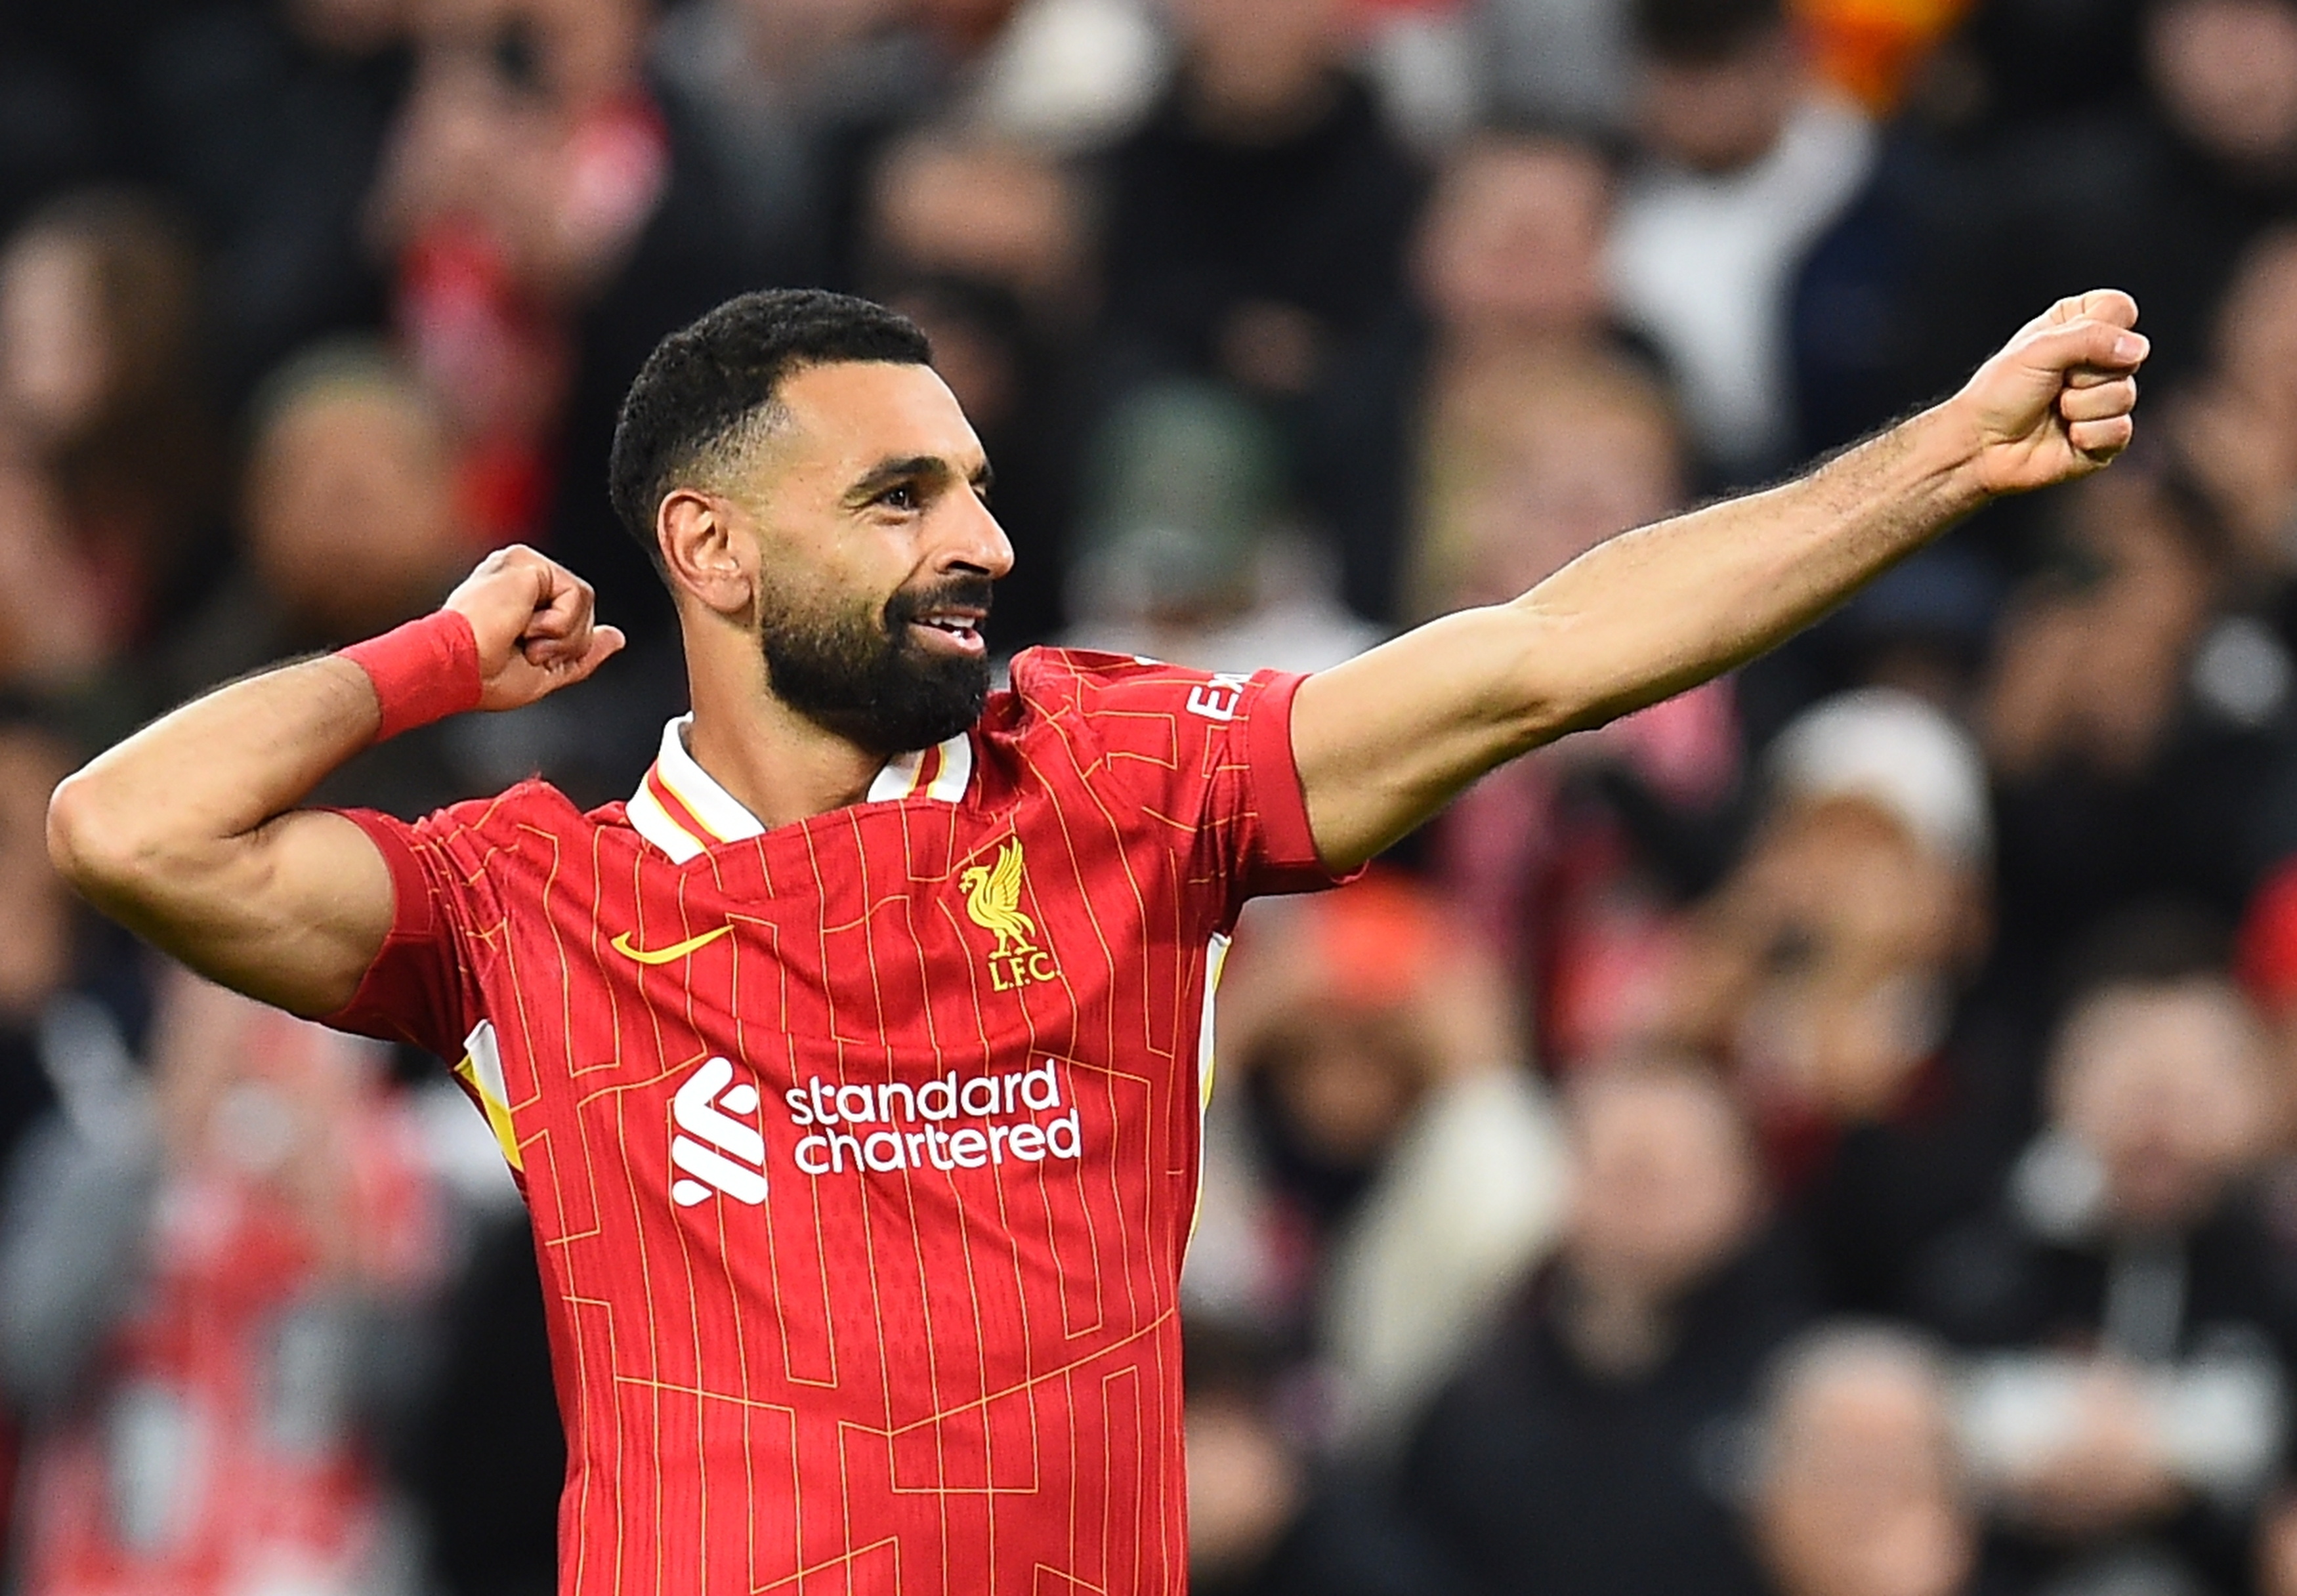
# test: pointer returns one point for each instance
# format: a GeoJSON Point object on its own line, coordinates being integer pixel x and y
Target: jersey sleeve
{"type": "Point", "coordinates": [1206, 755]}
{"type": "Point", "coordinates": [421, 988]}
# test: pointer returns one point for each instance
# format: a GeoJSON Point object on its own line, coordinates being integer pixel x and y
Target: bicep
{"type": "Point", "coordinates": [293, 913]}
{"type": "Point", "coordinates": [1387, 738]}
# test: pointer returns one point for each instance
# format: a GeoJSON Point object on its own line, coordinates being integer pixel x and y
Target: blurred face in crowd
{"type": "Point", "coordinates": [1259, 65]}
{"type": "Point", "coordinates": [36, 955]}
{"type": "Point", "coordinates": [1345, 1082]}
{"type": "Point", "coordinates": [2167, 1087]}
{"type": "Point", "coordinates": [1664, 1183]}
{"type": "Point", "coordinates": [1720, 115]}
{"type": "Point", "coordinates": [2090, 669]}
{"type": "Point", "coordinates": [1534, 464]}
{"type": "Point", "coordinates": [2225, 75]}
{"type": "Point", "coordinates": [350, 507]}
{"type": "Point", "coordinates": [1513, 243]}
{"type": "Point", "coordinates": [1859, 1495]}
{"type": "Point", "coordinates": [990, 212]}
{"type": "Point", "coordinates": [1842, 941]}
{"type": "Point", "coordinates": [56, 353]}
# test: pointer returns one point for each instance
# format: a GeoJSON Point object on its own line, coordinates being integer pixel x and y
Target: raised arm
{"type": "Point", "coordinates": [1384, 740]}
{"type": "Point", "coordinates": [188, 832]}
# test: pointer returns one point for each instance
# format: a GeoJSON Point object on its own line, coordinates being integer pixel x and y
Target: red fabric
{"type": "Point", "coordinates": [422, 671]}
{"type": "Point", "coordinates": [2269, 940]}
{"type": "Point", "coordinates": [905, 1369]}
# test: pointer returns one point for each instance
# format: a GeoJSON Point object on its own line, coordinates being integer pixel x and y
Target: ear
{"type": "Point", "coordinates": [706, 552]}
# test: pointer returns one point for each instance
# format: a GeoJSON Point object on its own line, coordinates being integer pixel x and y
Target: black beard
{"type": "Point", "coordinates": [864, 676]}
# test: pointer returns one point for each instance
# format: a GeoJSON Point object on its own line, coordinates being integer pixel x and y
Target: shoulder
{"type": "Point", "coordinates": [1098, 699]}
{"type": "Point", "coordinates": [1057, 681]}
{"type": "Point", "coordinates": [531, 809]}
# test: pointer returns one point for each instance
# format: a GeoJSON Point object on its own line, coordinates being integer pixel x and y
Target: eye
{"type": "Point", "coordinates": [903, 497]}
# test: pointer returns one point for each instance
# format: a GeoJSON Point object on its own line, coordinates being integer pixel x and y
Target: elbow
{"type": "Point", "coordinates": [92, 843]}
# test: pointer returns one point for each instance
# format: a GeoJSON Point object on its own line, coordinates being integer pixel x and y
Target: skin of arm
{"type": "Point", "coordinates": [187, 834]}
{"type": "Point", "coordinates": [1384, 740]}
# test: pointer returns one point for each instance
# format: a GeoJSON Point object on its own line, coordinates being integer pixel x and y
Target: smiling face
{"type": "Point", "coordinates": [858, 515]}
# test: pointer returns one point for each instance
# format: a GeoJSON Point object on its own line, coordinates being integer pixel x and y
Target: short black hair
{"type": "Point", "coordinates": [704, 381]}
{"type": "Point", "coordinates": [1697, 33]}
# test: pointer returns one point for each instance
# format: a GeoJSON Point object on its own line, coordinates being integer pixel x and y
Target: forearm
{"type": "Point", "coordinates": [1654, 611]}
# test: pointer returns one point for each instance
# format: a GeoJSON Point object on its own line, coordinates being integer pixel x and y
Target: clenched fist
{"type": "Point", "coordinates": [2056, 402]}
{"type": "Point", "coordinates": [533, 619]}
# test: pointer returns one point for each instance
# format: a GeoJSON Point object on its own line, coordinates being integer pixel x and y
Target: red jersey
{"type": "Point", "coordinates": [862, 1152]}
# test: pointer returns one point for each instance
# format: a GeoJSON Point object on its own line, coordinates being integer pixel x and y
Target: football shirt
{"type": "Point", "coordinates": [862, 1152]}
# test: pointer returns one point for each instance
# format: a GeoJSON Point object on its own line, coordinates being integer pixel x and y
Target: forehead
{"type": "Point", "coordinates": [840, 422]}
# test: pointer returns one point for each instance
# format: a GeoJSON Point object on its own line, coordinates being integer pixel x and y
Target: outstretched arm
{"type": "Point", "coordinates": [1384, 740]}
{"type": "Point", "coordinates": [187, 832]}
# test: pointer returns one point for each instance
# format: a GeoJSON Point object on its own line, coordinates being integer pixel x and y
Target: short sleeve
{"type": "Point", "coordinates": [1208, 755]}
{"type": "Point", "coordinates": [419, 989]}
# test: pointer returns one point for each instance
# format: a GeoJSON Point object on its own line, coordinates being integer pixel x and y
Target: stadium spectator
{"type": "Point", "coordinates": [774, 86]}
{"type": "Point", "coordinates": [1185, 551]}
{"type": "Point", "coordinates": [1257, 233]}
{"type": "Point", "coordinates": [352, 524]}
{"type": "Point", "coordinates": [1578, 1453]}
{"type": "Point", "coordinates": [1837, 971]}
{"type": "Point", "coordinates": [1510, 253]}
{"type": "Point", "coordinates": [99, 401]}
{"type": "Point", "coordinates": [2135, 720]}
{"type": "Point", "coordinates": [2147, 145]}
{"type": "Point", "coordinates": [2233, 425]}
{"type": "Point", "coordinates": [2135, 1321]}
{"type": "Point", "coordinates": [1380, 1168]}
{"type": "Point", "coordinates": [207, 1291]}
{"type": "Point", "coordinates": [1857, 1484]}
{"type": "Point", "coordinates": [266, 121]}
{"type": "Point", "coordinates": [550, 217]}
{"type": "Point", "coordinates": [1747, 161]}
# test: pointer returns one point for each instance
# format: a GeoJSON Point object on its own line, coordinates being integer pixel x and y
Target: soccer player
{"type": "Point", "coordinates": [852, 1068]}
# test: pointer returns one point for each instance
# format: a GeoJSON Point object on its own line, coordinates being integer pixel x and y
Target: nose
{"type": "Point", "coordinates": [974, 542]}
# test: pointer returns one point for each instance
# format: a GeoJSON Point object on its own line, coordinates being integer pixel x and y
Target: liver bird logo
{"type": "Point", "coordinates": [993, 901]}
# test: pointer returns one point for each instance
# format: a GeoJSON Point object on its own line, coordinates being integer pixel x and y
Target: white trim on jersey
{"type": "Point", "coordinates": [722, 817]}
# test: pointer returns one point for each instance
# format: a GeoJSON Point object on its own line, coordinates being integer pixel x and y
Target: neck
{"type": "Point", "coordinates": [781, 766]}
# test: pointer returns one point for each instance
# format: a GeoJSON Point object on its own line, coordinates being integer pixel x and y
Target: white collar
{"type": "Point", "coordinates": [681, 810]}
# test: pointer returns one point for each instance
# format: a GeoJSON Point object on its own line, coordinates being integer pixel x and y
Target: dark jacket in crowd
{"type": "Point", "coordinates": [1533, 1474]}
{"type": "Point", "coordinates": [1200, 228]}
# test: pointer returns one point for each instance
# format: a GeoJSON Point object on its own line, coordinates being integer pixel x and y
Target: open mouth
{"type": "Point", "coordinates": [961, 628]}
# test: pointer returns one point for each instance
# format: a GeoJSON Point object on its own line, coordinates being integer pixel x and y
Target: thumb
{"type": "Point", "coordinates": [606, 643]}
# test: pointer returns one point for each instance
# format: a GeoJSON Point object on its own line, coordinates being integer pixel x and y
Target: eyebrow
{"type": "Point", "coordinates": [913, 468]}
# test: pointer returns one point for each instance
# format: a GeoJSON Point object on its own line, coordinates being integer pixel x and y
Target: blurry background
{"type": "Point", "coordinates": [1832, 1134]}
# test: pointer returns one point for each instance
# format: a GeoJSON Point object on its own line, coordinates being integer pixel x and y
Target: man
{"type": "Point", "coordinates": [852, 1068]}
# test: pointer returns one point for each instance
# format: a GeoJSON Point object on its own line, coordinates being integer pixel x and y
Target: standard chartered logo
{"type": "Point", "coordinates": [717, 1150]}
{"type": "Point", "coordinates": [946, 1123]}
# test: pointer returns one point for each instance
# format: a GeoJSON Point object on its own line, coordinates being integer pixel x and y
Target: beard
{"type": "Point", "coordinates": [859, 671]}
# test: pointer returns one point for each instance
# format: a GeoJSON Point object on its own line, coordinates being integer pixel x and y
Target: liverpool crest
{"type": "Point", "coordinates": [992, 902]}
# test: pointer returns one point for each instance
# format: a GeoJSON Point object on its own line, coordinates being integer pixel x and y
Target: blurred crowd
{"type": "Point", "coordinates": [1833, 1133]}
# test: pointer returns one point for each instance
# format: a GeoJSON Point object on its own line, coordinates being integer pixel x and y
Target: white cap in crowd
{"type": "Point", "coordinates": [1896, 752]}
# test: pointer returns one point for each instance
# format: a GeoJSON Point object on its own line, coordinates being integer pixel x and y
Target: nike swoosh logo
{"type": "Point", "coordinates": [669, 955]}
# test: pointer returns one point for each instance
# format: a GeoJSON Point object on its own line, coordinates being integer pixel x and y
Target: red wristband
{"type": "Point", "coordinates": [422, 671]}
